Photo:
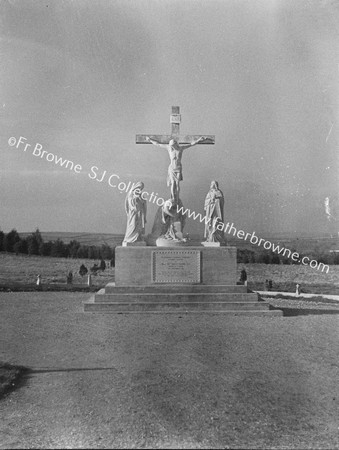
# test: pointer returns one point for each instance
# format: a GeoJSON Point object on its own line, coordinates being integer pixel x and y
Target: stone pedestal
{"type": "Point", "coordinates": [177, 280]}
{"type": "Point", "coordinates": [138, 265]}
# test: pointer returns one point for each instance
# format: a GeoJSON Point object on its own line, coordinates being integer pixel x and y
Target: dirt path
{"type": "Point", "coordinates": [166, 381]}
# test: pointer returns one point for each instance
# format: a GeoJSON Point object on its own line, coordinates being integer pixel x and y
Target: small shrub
{"type": "Point", "coordinates": [83, 270]}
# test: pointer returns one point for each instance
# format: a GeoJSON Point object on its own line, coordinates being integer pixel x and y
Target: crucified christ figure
{"type": "Point", "coordinates": [175, 151]}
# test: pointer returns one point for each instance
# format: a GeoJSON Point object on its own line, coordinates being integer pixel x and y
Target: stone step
{"type": "Point", "coordinates": [111, 288]}
{"type": "Point", "coordinates": [173, 306]}
{"type": "Point", "coordinates": [243, 313]}
{"type": "Point", "coordinates": [180, 297]}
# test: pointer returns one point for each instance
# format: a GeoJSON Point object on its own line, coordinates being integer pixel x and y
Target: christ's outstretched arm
{"type": "Point", "coordinates": [154, 142]}
{"type": "Point", "coordinates": [202, 138]}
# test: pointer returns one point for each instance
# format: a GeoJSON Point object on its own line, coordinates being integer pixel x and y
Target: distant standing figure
{"type": "Point", "coordinates": [214, 207]}
{"type": "Point", "coordinates": [243, 277]}
{"type": "Point", "coordinates": [297, 290]}
{"type": "Point", "coordinates": [70, 277]}
{"type": "Point", "coordinates": [38, 280]}
{"type": "Point", "coordinates": [136, 208]}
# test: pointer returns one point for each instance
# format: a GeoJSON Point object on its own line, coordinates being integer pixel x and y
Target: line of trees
{"type": "Point", "coordinates": [245, 256]}
{"type": "Point", "coordinates": [35, 245]}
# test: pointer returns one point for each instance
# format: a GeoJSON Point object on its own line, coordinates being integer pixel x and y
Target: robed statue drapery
{"type": "Point", "coordinates": [214, 213]}
{"type": "Point", "coordinates": [136, 208]}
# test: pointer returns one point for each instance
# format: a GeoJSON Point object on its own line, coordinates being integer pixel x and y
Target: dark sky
{"type": "Point", "coordinates": [83, 77]}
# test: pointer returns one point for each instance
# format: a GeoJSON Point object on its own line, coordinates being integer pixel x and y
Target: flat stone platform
{"type": "Point", "coordinates": [171, 298]}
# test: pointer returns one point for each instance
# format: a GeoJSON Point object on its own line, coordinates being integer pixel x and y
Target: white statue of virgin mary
{"type": "Point", "coordinates": [136, 208]}
{"type": "Point", "coordinates": [214, 207]}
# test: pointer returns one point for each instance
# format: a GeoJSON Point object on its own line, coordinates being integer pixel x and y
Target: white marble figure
{"type": "Point", "coordinates": [175, 151]}
{"type": "Point", "coordinates": [136, 208]}
{"type": "Point", "coordinates": [214, 207]}
{"type": "Point", "coordinates": [174, 221]}
{"type": "Point", "coordinates": [168, 225]}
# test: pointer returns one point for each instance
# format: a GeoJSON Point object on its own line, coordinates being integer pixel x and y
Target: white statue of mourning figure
{"type": "Point", "coordinates": [136, 209]}
{"type": "Point", "coordinates": [168, 225]}
{"type": "Point", "coordinates": [214, 216]}
{"type": "Point", "coordinates": [173, 220]}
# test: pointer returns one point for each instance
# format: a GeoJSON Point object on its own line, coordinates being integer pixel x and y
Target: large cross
{"type": "Point", "coordinates": [175, 120]}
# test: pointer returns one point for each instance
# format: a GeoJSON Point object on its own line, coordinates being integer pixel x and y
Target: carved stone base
{"type": "Point", "coordinates": [211, 244]}
{"type": "Point", "coordinates": [163, 242]}
{"type": "Point", "coordinates": [134, 244]}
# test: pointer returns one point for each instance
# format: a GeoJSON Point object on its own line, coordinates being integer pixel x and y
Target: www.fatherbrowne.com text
{"type": "Point", "coordinates": [255, 240]}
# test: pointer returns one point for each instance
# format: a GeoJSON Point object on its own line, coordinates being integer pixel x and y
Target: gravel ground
{"type": "Point", "coordinates": [166, 381]}
{"type": "Point", "coordinates": [301, 304]}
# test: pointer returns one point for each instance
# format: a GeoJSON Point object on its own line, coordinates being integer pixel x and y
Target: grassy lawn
{"type": "Point", "coordinates": [291, 273]}
{"type": "Point", "coordinates": [20, 272]}
{"type": "Point", "coordinates": [285, 278]}
{"type": "Point", "coordinates": [24, 269]}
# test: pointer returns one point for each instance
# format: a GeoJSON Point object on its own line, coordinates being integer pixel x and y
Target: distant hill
{"type": "Point", "coordinates": [110, 239]}
{"type": "Point", "coordinates": [300, 244]}
{"type": "Point", "coordinates": [305, 243]}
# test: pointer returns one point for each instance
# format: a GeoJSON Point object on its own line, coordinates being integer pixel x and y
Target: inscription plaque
{"type": "Point", "coordinates": [176, 266]}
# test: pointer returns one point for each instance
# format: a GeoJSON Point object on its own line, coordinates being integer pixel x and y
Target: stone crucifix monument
{"type": "Point", "coordinates": [167, 274]}
{"type": "Point", "coordinates": [168, 225]}
{"type": "Point", "coordinates": [175, 144]}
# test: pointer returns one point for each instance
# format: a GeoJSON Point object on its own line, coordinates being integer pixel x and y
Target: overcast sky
{"type": "Point", "coordinates": [82, 78]}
